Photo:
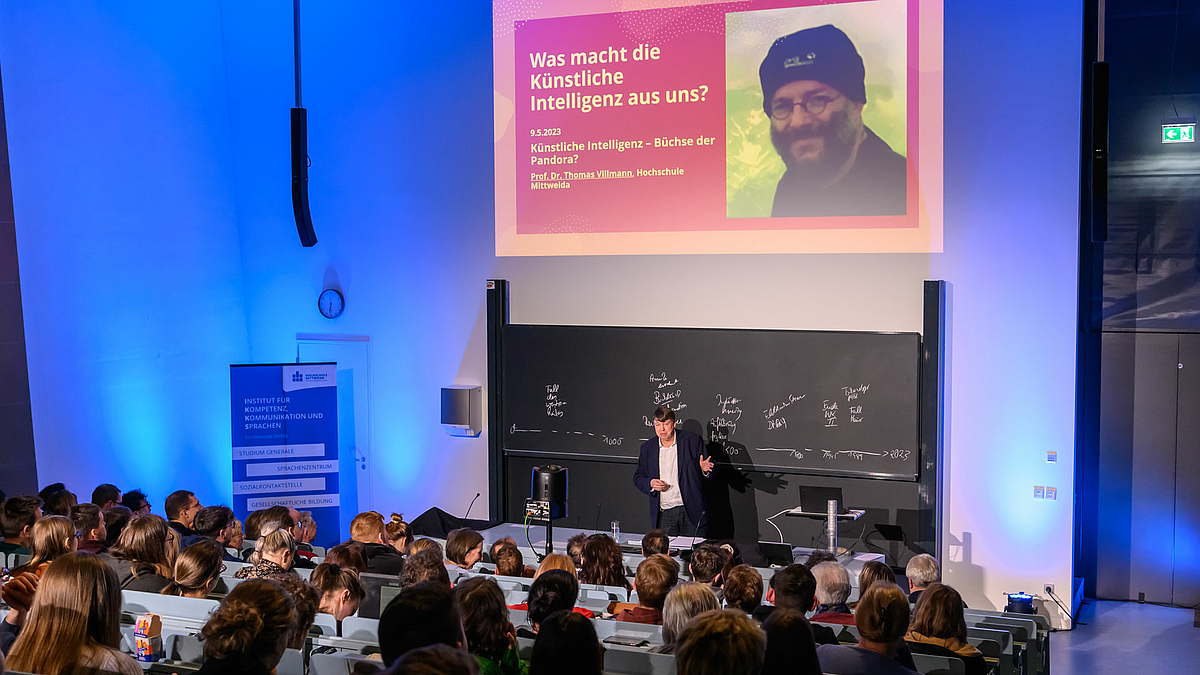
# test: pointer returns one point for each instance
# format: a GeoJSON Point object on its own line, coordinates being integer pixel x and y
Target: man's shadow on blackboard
{"type": "Point", "coordinates": [732, 503]}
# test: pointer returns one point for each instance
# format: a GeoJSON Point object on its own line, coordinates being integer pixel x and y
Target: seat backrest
{"type": "Point", "coordinates": [139, 602]}
{"type": "Point", "coordinates": [292, 663]}
{"type": "Point", "coordinates": [360, 628]}
{"type": "Point", "coordinates": [325, 625]}
{"type": "Point", "coordinates": [936, 665]}
{"type": "Point", "coordinates": [637, 661]}
{"type": "Point", "coordinates": [342, 663]}
{"type": "Point", "coordinates": [183, 647]}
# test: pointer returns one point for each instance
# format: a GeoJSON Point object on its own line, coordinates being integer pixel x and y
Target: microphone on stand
{"type": "Point", "coordinates": [471, 506]}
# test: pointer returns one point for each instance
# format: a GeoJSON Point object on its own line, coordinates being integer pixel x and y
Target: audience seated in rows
{"type": "Point", "coordinates": [136, 502]}
{"type": "Point", "coordinates": [368, 529]}
{"type": "Point", "coordinates": [557, 561]}
{"type": "Point", "coordinates": [656, 576]}
{"type": "Point", "coordinates": [425, 543]}
{"type": "Point", "coordinates": [705, 566]}
{"type": "Point", "coordinates": [16, 523]}
{"type": "Point", "coordinates": [144, 555]}
{"type": "Point", "coordinates": [721, 642]}
{"type": "Point", "coordinates": [399, 533]}
{"type": "Point", "coordinates": [790, 645]}
{"type": "Point", "coordinates": [491, 637]}
{"type": "Point", "coordinates": [744, 589]}
{"type": "Point", "coordinates": [921, 570]}
{"type": "Point", "coordinates": [115, 520]}
{"type": "Point", "coordinates": [181, 507]}
{"type": "Point", "coordinates": [237, 536]}
{"type": "Point", "coordinates": [77, 610]}
{"type": "Point", "coordinates": [575, 549]}
{"type": "Point", "coordinates": [939, 628]}
{"type": "Point", "coordinates": [53, 536]}
{"type": "Point", "coordinates": [288, 519]}
{"type": "Point", "coordinates": [420, 615]}
{"type": "Point", "coordinates": [833, 589]}
{"type": "Point", "coordinates": [424, 565]}
{"type": "Point", "coordinates": [254, 522]}
{"type": "Point", "coordinates": [436, 660]}
{"type": "Point", "coordinates": [494, 549]}
{"type": "Point", "coordinates": [106, 495]}
{"type": "Point", "coordinates": [567, 643]}
{"type": "Point", "coordinates": [60, 503]}
{"type": "Point", "coordinates": [882, 621]}
{"type": "Point", "coordinates": [197, 570]}
{"type": "Point", "coordinates": [553, 591]}
{"type": "Point", "coordinates": [349, 555]}
{"type": "Point", "coordinates": [307, 531]}
{"type": "Point", "coordinates": [685, 601]}
{"type": "Point", "coordinates": [88, 520]}
{"type": "Point", "coordinates": [340, 589]}
{"type": "Point", "coordinates": [250, 630]}
{"type": "Point", "coordinates": [274, 553]}
{"type": "Point", "coordinates": [510, 562]}
{"type": "Point", "coordinates": [214, 523]}
{"type": "Point", "coordinates": [603, 563]}
{"type": "Point", "coordinates": [655, 541]}
{"type": "Point", "coordinates": [794, 587]}
{"type": "Point", "coordinates": [464, 548]}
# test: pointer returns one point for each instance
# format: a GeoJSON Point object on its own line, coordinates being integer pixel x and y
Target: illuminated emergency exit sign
{"type": "Point", "coordinates": [1179, 133]}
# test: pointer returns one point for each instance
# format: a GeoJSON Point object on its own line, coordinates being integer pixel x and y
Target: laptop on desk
{"type": "Point", "coordinates": [814, 499]}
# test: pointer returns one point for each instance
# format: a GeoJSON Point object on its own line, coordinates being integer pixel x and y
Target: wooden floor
{"type": "Point", "coordinates": [1125, 638]}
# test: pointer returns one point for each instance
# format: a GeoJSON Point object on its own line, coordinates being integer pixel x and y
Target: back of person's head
{"type": "Point", "coordinates": [211, 521]}
{"type": "Point", "coordinates": [436, 660]}
{"type": "Point", "coordinates": [720, 642]}
{"type": "Point", "coordinates": [706, 563]}
{"type": "Point", "coordinates": [77, 606]}
{"type": "Point", "coordinates": [115, 520]}
{"type": "Point", "coordinates": [349, 555]}
{"type": "Point", "coordinates": [308, 526]}
{"type": "Point", "coordinates": [939, 613]}
{"type": "Point", "coordinates": [655, 577]}
{"type": "Point", "coordinates": [425, 543]}
{"type": "Point", "coordinates": [922, 570]}
{"type": "Point", "coordinates": [819, 556]}
{"type": "Point", "coordinates": [744, 588]}
{"type": "Point", "coordinates": [134, 500]}
{"type": "Point", "coordinates": [656, 541]}
{"type": "Point", "coordinates": [795, 587]}
{"type": "Point", "coordinates": [308, 602]}
{"type": "Point", "coordinates": [274, 539]}
{"type": "Point", "coordinates": [52, 536]}
{"type": "Point", "coordinates": [368, 528]}
{"type": "Point", "coordinates": [556, 561]}
{"type": "Point", "coordinates": [420, 615]}
{"type": "Point", "coordinates": [19, 513]}
{"type": "Point", "coordinates": [499, 544]}
{"type": "Point", "coordinates": [197, 569]}
{"type": "Point", "coordinates": [89, 519]}
{"type": "Point", "coordinates": [833, 583]}
{"type": "Point", "coordinates": [509, 561]}
{"type": "Point", "coordinates": [684, 602]}
{"type": "Point", "coordinates": [566, 643]}
{"type": "Point", "coordinates": [551, 592]}
{"type": "Point", "coordinates": [484, 615]}
{"type": "Point", "coordinates": [60, 503]}
{"type": "Point", "coordinates": [399, 532]}
{"type": "Point", "coordinates": [254, 523]}
{"type": "Point", "coordinates": [278, 514]}
{"type": "Point", "coordinates": [882, 613]}
{"type": "Point", "coordinates": [790, 646]}
{"type": "Point", "coordinates": [106, 494]}
{"type": "Point", "coordinates": [332, 579]}
{"type": "Point", "coordinates": [575, 549]}
{"type": "Point", "coordinates": [874, 571]}
{"type": "Point", "coordinates": [176, 503]}
{"type": "Point", "coordinates": [602, 562]}
{"type": "Point", "coordinates": [145, 540]}
{"type": "Point", "coordinates": [461, 542]}
{"type": "Point", "coordinates": [422, 566]}
{"type": "Point", "coordinates": [253, 621]}
{"type": "Point", "coordinates": [51, 489]}
{"type": "Point", "coordinates": [731, 557]}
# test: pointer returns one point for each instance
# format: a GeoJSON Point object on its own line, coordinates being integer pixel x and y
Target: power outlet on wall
{"type": "Point", "coordinates": [1049, 589]}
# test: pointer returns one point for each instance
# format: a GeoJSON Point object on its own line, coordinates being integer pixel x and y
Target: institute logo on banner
{"type": "Point", "coordinates": [297, 376]}
{"type": "Point", "coordinates": [308, 377]}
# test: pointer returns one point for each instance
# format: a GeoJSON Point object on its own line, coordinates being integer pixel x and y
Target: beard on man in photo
{"type": "Point", "coordinates": [814, 91]}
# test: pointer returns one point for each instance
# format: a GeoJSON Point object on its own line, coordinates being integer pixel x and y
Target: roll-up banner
{"type": "Point", "coordinates": [285, 437]}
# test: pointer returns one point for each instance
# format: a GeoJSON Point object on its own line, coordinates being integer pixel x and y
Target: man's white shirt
{"type": "Point", "coordinates": [668, 472]}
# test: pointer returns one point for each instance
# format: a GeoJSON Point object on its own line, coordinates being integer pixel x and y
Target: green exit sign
{"type": "Point", "coordinates": [1179, 133]}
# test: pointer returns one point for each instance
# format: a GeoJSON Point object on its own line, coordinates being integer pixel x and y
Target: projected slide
{"type": "Point", "coordinates": [763, 126]}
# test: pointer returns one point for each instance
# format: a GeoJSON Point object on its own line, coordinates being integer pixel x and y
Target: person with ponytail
{"type": "Point", "coordinates": [144, 555]}
{"type": "Point", "coordinates": [399, 534]}
{"type": "Point", "coordinates": [197, 570]}
{"type": "Point", "coordinates": [274, 553]}
{"type": "Point", "coordinates": [341, 591]}
{"type": "Point", "coordinates": [74, 622]}
{"type": "Point", "coordinates": [882, 620]}
{"type": "Point", "coordinates": [250, 630]}
{"type": "Point", "coordinates": [52, 537]}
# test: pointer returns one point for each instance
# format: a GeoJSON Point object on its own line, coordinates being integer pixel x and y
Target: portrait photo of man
{"type": "Point", "coordinates": [813, 92]}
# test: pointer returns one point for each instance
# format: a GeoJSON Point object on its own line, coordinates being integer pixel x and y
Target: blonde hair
{"type": "Point", "coordinates": [147, 541]}
{"type": "Point", "coordinates": [557, 561]}
{"type": "Point", "coordinates": [424, 543]}
{"type": "Point", "coordinates": [275, 538]}
{"type": "Point", "coordinates": [51, 537]}
{"type": "Point", "coordinates": [683, 602]}
{"type": "Point", "coordinates": [77, 608]}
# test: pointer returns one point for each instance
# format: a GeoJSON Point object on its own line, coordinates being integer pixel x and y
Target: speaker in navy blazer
{"type": "Point", "coordinates": [690, 447]}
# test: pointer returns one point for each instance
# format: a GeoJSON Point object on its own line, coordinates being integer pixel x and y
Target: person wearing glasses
{"type": "Point", "coordinates": [814, 91]}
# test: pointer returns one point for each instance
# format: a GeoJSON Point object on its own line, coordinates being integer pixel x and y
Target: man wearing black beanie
{"type": "Point", "coordinates": [814, 90]}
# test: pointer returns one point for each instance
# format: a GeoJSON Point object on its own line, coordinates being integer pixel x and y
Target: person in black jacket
{"type": "Point", "coordinates": [794, 587]}
{"type": "Point", "coordinates": [368, 529]}
{"type": "Point", "coordinates": [671, 470]}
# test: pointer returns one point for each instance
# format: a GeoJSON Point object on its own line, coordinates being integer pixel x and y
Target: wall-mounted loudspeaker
{"type": "Point", "coordinates": [462, 409]}
{"type": "Point", "coordinates": [300, 177]}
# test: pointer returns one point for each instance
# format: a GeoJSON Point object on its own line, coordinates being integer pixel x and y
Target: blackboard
{"type": "Point", "coordinates": [824, 402]}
